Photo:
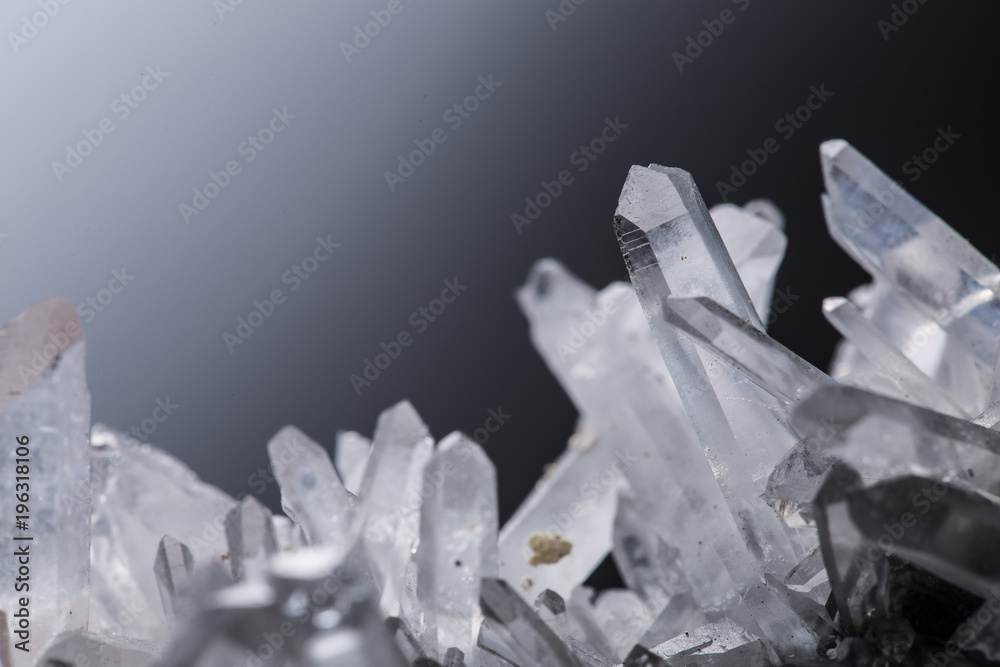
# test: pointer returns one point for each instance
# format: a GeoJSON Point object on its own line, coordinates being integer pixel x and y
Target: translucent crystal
{"type": "Point", "coordinates": [141, 494]}
{"type": "Point", "coordinates": [250, 536]}
{"type": "Point", "coordinates": [617, 375]}
{"type": "Point", "coordinates": [722, 644]}
{"type": "Point", "coordinates": [756, 244]}
{"type": "Point", "coordinates": [520, 628]}
{"type": "Point", "coordinates": [649, 566]}
{"type": "Point", "coordinates": [933, 270]}
{"type": "Point", "coordinates": [758, 510]}
{"type": "Point", "coordinates": [672, 249]}
{"type": "Point", "coordinates": [388, 515]}
{"type": "Point", "coordinates": [572, 502]}
{"type": "Point", "coordinates": [760, 358]}
{"type": "Point", "coordinates": [312, 493]}
{"type": "Point", "coordinates": [458, 543]}
{"type": "Point", "coordinates": [913, 384]}
{"type": "Point", "coordinates": [351, 458]}
{"type": "Point", "coordinates": [624, 617]}
{"type": "Point", "coordinates": [45, 408]}
{"type": "Point", "coordinates": [173, 567]}
{"type": "Point", "coordinates": [882, 437]}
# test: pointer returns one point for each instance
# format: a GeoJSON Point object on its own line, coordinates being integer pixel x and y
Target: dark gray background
{"type": "Point", "coordinates": [163, 335]}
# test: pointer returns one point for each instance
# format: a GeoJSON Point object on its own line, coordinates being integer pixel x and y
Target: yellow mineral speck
{"type": "Point", "coordinates": [225, 556]}
{"type": "Point", "coordinates": [547, 548]}
{"type": "Point", "coordinates": [583, 439]}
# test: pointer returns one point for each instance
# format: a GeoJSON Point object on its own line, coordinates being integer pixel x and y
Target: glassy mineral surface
{"type": "Point", "coordinates": [760, 510]}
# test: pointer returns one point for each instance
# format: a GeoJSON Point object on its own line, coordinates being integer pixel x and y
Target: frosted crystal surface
{"type": "Point", "coordinates": [46, 404]}
{"type": "Point", "coordinates": [759, 510]}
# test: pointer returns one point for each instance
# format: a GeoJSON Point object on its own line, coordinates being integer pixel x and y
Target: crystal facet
{"type": "Point", "coordinates": [759, 511]}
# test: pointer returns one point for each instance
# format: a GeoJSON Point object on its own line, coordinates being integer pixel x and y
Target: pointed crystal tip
{"type": "Point", "coordinates": [829, 150]}
{"type": "Point", "coordinates": [832, 303]}
{"type": "Point", "coordinates": [32, 342]}
{"type": "Point", "coordinates": [654, 195]}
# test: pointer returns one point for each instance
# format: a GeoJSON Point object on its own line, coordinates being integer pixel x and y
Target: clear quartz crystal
{"type": "Point", "coordinates": [759, 511]}
{"type": "Point", "coordinates": [458, 542]}
{"type": "Point", "coordinates": [913, 384]}
{"type": "Point", "coordinates": [722, 644]}
{"type": "Point", "coordinates": [756, 244]}
{"type": "Point", "coordinates": [388, 515]}
{"type": "Point", "coordinates": [45, 400]}
{"type": "Point", "coordinates": [351, 458]}
{"type": "Point", "coordinates": [672, 249]}
{"type": "Point", "coordinates": [250, 536]}
{"type": "Point", "coordinates": [926, 267]}
{"type": "Point", "coordinates": [141, 494]}
{"type": "Point", "coordinates": [174, 566]}
{"type": "Point", "coordinates": [312, 493]}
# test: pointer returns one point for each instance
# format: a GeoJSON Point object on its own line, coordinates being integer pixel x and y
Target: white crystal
{"type": "Point", "coordinates": [45, 407]}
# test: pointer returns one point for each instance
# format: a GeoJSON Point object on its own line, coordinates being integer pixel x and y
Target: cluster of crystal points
{"type": "Point", "coordinates": [760, 511]}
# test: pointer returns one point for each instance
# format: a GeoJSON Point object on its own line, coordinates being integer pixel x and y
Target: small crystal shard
{"type": "Point", "coordinates": [525, 633]}
{"type": "Point", "coordinates": [174, 566]}
{"type": "Point", "coordinates": [250, 535]}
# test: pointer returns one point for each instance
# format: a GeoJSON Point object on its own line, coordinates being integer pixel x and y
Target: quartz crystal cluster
{"type": "Point", "coordinates": [759, 510]}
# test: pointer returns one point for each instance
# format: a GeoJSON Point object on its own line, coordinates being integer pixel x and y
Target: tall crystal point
{"type": "Point", "coordinates": [45, 485]}
{"type": "Point", "coordinates": [672, 249]}
{"type": "Point", "coordinates": [458, 542]}
{"type": "Point", "coordinates": [932, 277]}
{"type": "Point", "coordinates": [388, 516]}
{"type": "Point", "coordinates": [312, 493]}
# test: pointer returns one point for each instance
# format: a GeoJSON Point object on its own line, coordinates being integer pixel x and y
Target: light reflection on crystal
{"type": "Point", "coordinates": [760, 511]}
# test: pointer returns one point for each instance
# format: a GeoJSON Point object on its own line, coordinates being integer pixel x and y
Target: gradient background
{"type": "Point", "coordinates": [163, 335]}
